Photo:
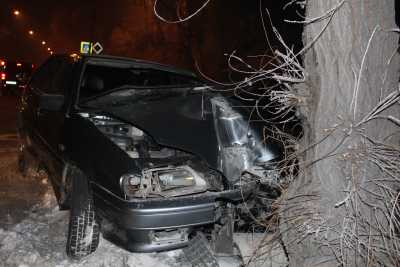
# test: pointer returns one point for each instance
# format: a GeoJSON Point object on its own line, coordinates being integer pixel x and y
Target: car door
{"type": "Point", "coordinates": [29, 109]}
{"type": "Point", "coordinates": [51, 123]}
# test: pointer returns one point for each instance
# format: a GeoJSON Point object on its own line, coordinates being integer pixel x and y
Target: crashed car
{"type": "Point", "coordinates": [146, 154]}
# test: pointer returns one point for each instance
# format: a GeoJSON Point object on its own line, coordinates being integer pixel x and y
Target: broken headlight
{"type": "Point", "coordinates": [176, 178]}
{"type": "Point", "coordinates": [166, 182]}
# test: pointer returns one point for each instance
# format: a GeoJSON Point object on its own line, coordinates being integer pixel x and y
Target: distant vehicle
{"type": "Point", "coordinates": [145, 153]}
{"type": "Point", "coordinates": [13, 76]}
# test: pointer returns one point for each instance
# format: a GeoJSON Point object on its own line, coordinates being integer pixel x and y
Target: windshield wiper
{"type": "Point", "coordinates": [126, 100]}
{"type": "Point", "coordinates": [130, 100]}
{"type": "Point", "coordinates": [108, 92]}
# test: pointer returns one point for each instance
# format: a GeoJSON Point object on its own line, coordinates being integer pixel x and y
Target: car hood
{"type": "Point", "coordinates": [185, 123]}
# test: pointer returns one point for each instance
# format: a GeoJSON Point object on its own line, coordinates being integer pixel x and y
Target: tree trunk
{"type": "Point", "coordinates": [339, 210]}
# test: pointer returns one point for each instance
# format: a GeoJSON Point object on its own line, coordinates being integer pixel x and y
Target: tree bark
{"type": "Point", "coordinates": [334, 212]}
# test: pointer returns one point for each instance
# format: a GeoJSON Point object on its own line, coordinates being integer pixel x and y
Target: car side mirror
{"type": "Point", "coordinates": [51, 102]}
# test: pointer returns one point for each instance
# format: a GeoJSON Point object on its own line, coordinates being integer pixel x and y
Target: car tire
{"type": "Point", "coordinates": [84, 227]}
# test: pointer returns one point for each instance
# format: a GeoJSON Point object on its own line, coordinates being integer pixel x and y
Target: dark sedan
{"type": "Point", "coordinates": [145, 153]}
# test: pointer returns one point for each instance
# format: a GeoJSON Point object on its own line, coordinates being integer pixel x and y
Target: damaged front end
{"type": "Point", "coordinates": [241, 149]}
{"type": "Point", "coordinates": [168, 169]}
{"type": "Point", "coordinates": [164, 182]}
{"type": "Point", "coordinates": [247, 159]}
{"type": "Point", "coordinates": [165, 172]}
{"type": "Point", "coordinates": [180, 189]}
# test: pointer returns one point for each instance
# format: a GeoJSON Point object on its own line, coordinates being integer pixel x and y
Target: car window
{"type": "Point", "coordinates": [47, 84]}
{"type": "Point", "coordinates": [39, 77]}
{"type": "Point", "coordinates": [62, 78]}
{"type": "Point", "coordinates": [99, 79]}
{"type": "Point", "coordinates": [42, 79]}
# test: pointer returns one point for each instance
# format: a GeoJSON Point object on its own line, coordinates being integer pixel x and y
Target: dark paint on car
{"type": "Point", "coordinates": [145, 153]}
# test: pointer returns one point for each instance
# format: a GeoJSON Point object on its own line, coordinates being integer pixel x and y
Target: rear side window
{"type": "Point", "coordinates": [40, 77]}
{"type": "Point", "coordinates": [53, 77]}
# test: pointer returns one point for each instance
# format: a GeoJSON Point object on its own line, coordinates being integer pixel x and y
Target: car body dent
{"type": "Point", "coordinates": [184, 123]}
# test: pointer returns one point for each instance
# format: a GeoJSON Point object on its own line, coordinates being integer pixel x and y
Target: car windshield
{"type": "Point", "coordinates": [116, 85]}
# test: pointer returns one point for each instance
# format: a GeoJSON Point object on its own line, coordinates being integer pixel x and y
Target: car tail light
{"type": "Point", "coordinates": [2, 76]}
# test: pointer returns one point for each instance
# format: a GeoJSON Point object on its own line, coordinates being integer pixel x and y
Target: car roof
{"type": "Point", "coordinates": [114, 60]}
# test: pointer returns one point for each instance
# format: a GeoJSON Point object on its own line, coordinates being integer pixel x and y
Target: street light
{"type": "Point", "coordinates": [31, 32]}
{"type": "Point", "coordinates": [16, 12]}
{"type": "Point", "coordinates": [48, 49]}
{"type": "Point", "coordinates": [43, 42]}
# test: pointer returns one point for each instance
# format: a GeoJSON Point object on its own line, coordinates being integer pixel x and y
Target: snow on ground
{"type": "Point", "coordinates": [33, 231]}
{"type": "Point", "coordinates": [258, 250]}
{"type": "Point", "coordinates": [39, 240]}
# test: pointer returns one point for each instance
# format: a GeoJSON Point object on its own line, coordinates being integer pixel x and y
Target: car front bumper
{"type": "Point", "coordinates": [149, 225]}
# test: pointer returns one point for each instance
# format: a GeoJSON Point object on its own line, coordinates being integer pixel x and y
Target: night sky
{"type": "Point", "coordinates": [61, 23]}
{"type": "Point", "coordinates": [129, 28]}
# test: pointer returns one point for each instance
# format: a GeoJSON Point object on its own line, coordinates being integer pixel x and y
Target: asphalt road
{"type": "Point", "coordinates": [18, 194]}
{"type": "Point", "coordinates": [8, 108]}
{"type": "Point", "coordinates": [8, 137]}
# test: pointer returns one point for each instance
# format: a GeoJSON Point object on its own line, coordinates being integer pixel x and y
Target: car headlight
{"type": "Point", "coordinates": [170, 179]}
{"type": "Point", "coordinates": [130, 184]}
{"type": "Point", "coordinates": [167, 182]}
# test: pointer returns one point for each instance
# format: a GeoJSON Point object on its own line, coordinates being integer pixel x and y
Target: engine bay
{"type": "Point", "coordinates": [132, 140]}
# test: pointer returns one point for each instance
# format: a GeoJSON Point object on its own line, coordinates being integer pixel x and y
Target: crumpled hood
{"type": "Point", "coordinates": [188, 123]}
{"type": "Point", "coordinates": [185, 123]}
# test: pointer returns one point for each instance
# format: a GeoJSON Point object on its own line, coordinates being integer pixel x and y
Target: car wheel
{"type": "Point", "coordinates": [64, 201]}
{"type": "Point", "coordinates": [84, 227]}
